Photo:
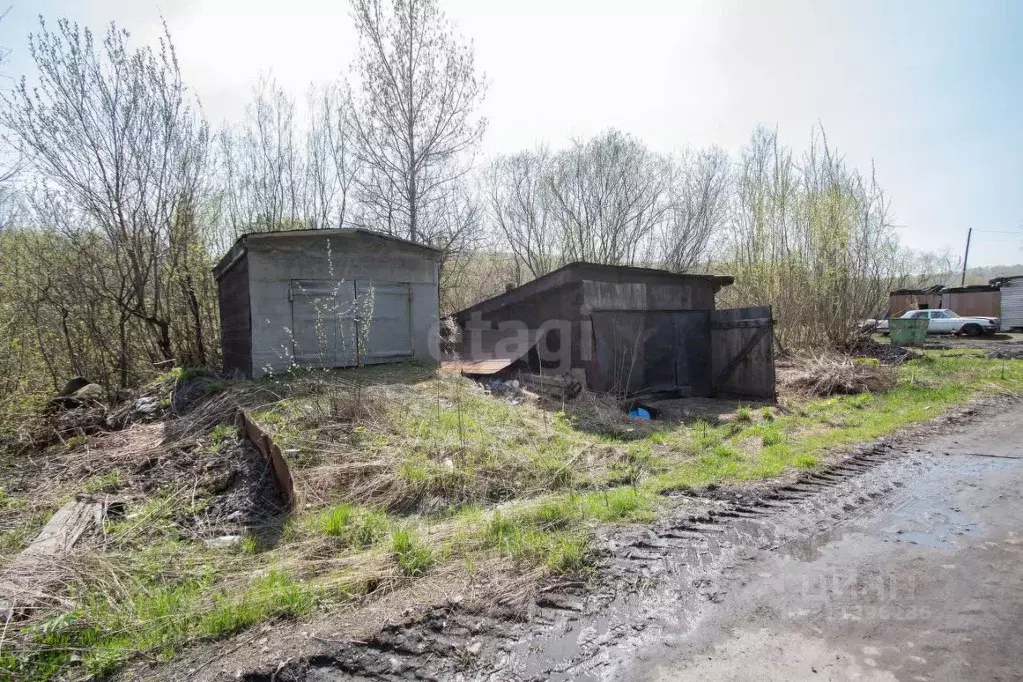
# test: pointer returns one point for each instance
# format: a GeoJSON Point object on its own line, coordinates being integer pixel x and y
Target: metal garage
{"type": "Point", "coordinates": [623, 330]}
{"type": "Point", "coordinates": [326, 298]}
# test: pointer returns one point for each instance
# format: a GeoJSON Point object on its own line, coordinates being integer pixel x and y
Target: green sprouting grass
{"type": "Point", "coordinates": [354, 526]}
{"type": "Point", "coordinates": [156, 617]}
{"type": "Point", "coordinates": [744, 415]}
{"type": "Point", "coordinates": [414, 558]}
{"type": "Point", "coordinates": [442, 439]}
{"type": "Point", "coordinates": [552, 533]}
{"type": "Point", "coordinates": [800, 440]}
{"type": "Point", "coordinates": [106, 483]}
{"type": "Point", "coordinates": [220, 434]}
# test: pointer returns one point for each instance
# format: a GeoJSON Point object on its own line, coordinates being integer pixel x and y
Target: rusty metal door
{"type": "Point", "coordinates": [742, 347]}
{"type": "Point", "coordinates": [651, 351]}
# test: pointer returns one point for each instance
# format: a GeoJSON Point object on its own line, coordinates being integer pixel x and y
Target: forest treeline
{"type": "Point", "coordinates": [119, 196]}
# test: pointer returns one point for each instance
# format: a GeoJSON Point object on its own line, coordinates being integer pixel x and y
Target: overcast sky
{"type": "Point", "coordinates": [932, 92]}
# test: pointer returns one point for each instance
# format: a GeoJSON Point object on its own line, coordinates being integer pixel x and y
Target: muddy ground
{"type": "Point", "coordinates": [1000, 346]}
{"type": "Point", "coordinates": [897, 561]}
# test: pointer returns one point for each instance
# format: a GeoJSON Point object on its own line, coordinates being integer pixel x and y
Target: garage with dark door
{"type": "Point", "coordinates": [625, 331]}
{"type": "Point", "coordinates": [326, 298]}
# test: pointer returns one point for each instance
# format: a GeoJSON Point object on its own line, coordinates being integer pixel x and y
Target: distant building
{"type": "Point", "coordinates": [1001, 298]}
{"type": "Point", "coordinates": [1012, 302]}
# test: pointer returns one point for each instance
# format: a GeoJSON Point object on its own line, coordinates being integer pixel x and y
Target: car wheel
{"type": "Point", "coordinates": [972, 330]}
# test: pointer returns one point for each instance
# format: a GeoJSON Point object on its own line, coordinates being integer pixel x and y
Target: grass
{"type": "Point", "coordinates": [156, 618]}
{"type": "Point", "coordinates": [106, 483]}
{"type": "Point", "coordinates": [801, 439]}
{"type": "Point", "coordinates": [437, 474]}
{"type": "Point", "coordinates": [354, 526]}
{"type": "Point", "coordinates": [413, 557]}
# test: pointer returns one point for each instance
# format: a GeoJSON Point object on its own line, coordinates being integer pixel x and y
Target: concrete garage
{"type": "Point", "coordinates": [326, 298]}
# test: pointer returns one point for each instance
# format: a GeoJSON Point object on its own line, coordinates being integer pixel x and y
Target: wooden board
{"type": "Point", "coordinates": [743, 352]}
{"type": "Point", "coordinates": [25, 583]}
{"type": "Point", "coordinates": [278, 466]}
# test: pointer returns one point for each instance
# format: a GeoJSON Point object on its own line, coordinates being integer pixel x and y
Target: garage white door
{"type": "Point", "coordinates": [390, 319]}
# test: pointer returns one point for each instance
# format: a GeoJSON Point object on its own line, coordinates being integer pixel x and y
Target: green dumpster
{"type": "Point", "coordinates": [910, 331]}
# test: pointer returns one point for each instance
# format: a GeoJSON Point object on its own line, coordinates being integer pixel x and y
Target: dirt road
{"type": "Point", "coordinates": [927, 586]}
{"type": "Point", "coordinates": [902, 563]}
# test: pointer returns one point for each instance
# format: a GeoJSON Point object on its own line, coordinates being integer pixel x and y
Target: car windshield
{"type": "Point", "coordinates": [949, 313]}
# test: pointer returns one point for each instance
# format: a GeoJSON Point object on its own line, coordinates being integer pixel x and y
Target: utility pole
{"type": "Point", "coordinates": [966, 256]}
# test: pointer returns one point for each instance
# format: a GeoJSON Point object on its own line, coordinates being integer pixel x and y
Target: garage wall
{"type": "Point", "coordinates": [973, 303]}
{"type": "Point", "coordinates": [274, 261]}
{"type": "Point", "coordinates": [900, 303]}
{"type": "Point", "coordinates": [235, 325]}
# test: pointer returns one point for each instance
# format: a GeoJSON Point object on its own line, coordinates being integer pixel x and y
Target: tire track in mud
{"type": "Point", "coordinates": [652, 580]}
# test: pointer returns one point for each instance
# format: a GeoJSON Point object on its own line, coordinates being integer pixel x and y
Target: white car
{"type": "Point", "coordinates": [948, 322]}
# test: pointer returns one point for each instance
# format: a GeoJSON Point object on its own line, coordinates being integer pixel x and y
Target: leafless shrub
{"type": "Point", "coordinates": [609, 199]}
{"type": "Point", "coordinates": [831, 374]}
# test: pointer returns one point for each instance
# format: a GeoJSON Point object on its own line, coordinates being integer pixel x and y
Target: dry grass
{"type": "Point", "coordinates": [412, 486]}
{"type": "Point", "coordinates": [831, 374]}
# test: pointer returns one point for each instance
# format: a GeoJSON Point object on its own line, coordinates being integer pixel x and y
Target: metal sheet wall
{"type": "Point", "coordinates": [1012, 304]}
{"type": "Point", "coordinates": [651, 351]}
{"type": "Point", "coordinates": [974, 303]}
{"type": "Point", "coordinates": [900, 303]}
{"type": "Point", "coordinates": [235, 319]}
{"type": "Point", "coordinates": [743, 343]}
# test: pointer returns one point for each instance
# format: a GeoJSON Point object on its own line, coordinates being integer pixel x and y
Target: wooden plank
{"type": "Point", "coordinates": [743, 365]}
{"type": "Point", "coordinates": [742, 354]}
{"type": "Point", "coordinates": [476, 366]}
{"type": "Point", "coordinates": [64, 529]}
{"type": "Point", "coordinates": [272, 453]}
{"type": "Point", "coordinates": [743, 324]}
{"type": "Point", "coordinates": [25, 583]}
{"type": "Point", "coordinates": [556, 386]}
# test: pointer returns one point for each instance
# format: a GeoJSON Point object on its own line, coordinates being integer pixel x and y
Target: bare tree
{"type": "Point", "coordinates": [414, 118]}
{"type": "Point", "coordinates": [262, 164]}
{"type": "Point", "coordinates": [608, 194]}
{"type": "Point", "coordinates": [112, 133]}
{"type": "Point", "coordinates": [811, 238]}
{"type": "Point", "coordinates": [608, 200]}
{"type": "Point", "coordinates": [280, 171]}
{"type": "Point", "coordinates": [697, 209]}
{"type": "Point", "coordinates": [520, 200]}
{"type": "Point", "coordinates": [332, 166]}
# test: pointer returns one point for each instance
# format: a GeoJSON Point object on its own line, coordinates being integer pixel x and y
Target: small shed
{"type": "Point", "coordinates": [624, 330]}
{"type": "Point", "coordinates": [1011, 312]}
{"type": "Point", "coordinates": [326, 298]}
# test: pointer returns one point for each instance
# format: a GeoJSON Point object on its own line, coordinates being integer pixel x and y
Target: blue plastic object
{"type": "Point", "coordinates": [639, 413]}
